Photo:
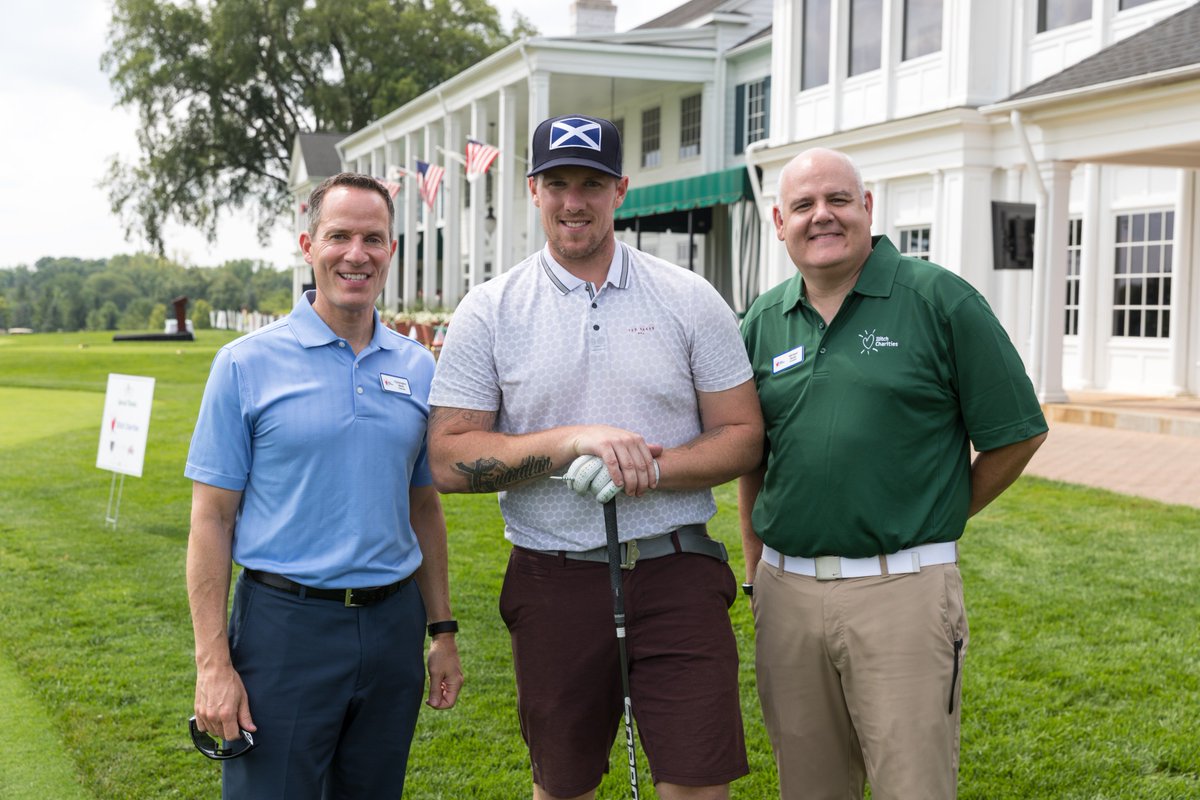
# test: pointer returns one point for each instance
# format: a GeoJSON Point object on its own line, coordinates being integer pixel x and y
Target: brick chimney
{"type": "Point", "coordinates": [590, 17]}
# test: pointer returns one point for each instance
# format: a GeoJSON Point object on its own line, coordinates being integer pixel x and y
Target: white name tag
{"type": "Point", "coordinates": [788, 360]}
{"type": "Point", "coordinates": [391, 383]}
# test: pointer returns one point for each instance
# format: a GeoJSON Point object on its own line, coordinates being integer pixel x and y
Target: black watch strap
{"type": "Point", "coordinates": [445, 626]}
{"type": "Point", "coordinates": [748, 589]}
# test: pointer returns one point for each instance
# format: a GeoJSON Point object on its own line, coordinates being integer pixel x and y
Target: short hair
{"type": "Point", "coordinates": [354, 180]}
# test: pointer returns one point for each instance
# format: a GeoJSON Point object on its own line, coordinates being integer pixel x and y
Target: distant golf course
{"type": "Point", "coordinates": [1082, 678]}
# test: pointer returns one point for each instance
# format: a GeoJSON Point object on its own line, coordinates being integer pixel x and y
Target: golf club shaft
{"type": "Point", "coordinates": [614, 574]}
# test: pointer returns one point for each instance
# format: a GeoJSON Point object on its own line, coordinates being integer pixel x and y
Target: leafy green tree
{"type": "Point", "coordinates": [222, 88]}
{"type": "Point", "coordinates": [200, 314]}
{"type": "Point", "coordinates": [103, 318]}
{"type": "Point", "coordinates": [158, 318]}
{"type": "Point", "coordinates": [137, 316]}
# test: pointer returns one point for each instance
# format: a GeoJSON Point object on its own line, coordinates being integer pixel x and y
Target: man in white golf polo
{"type": "Point", "coordinates": [590, 347]}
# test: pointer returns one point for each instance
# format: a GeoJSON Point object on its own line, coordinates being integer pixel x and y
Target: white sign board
{"type": "Point", "coordinates": [126, 423]}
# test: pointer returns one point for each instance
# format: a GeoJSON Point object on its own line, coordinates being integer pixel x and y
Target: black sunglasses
{"type": "Point", "coordinates": [214, 749]}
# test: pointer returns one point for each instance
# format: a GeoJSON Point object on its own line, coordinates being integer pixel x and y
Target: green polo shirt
{"type": "Point", "coordinates": [868, 418]}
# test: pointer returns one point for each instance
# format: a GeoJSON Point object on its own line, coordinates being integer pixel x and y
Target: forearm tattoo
{"type": "Point", "coordinates": [492, 475]}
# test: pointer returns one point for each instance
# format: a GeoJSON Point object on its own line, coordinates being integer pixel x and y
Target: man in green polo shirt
{"type": "Point", "coordinates": [876, 373]}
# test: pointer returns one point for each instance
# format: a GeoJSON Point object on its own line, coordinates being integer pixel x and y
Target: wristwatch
{"type": "Point", "coordinates": [748, 589]}
{"type": "Point", "coordinates": [445, 626]}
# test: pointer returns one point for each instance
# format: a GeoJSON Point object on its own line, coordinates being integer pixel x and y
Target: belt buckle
{"type": "Point", "coordinates": [350, 600]}
{"type": "Point", "coordinates": [828, 568]}
{"type": "Point", "coordinates": [631, 554]}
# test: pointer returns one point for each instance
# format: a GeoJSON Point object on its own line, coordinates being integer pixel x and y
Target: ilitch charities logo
{"type": "Point", "coordinates": [872, 342]}
{"type": "Point", "coordinates": [575, 132]}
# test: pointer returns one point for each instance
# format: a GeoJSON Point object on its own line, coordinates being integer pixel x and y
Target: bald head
{"type": "Point", "coordinates": [822, 156]}
{"type": "Point", "coordinates": [823, 216]}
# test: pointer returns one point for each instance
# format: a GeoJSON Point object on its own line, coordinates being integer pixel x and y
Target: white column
{"type": "Point", "coordinates": [890, 30]}
{"type": "Point", "coordinates": [936, 233]}
{"type": "Point", "coordinates": [429, 264]}
{"type": "Point", "coordinates": [839, 59]}
{"type": "Point", "coordinates": [1057, 177]}
{"type": "Point", "coordinates": [506, 180]}
{"type": "Point", "coordinates": [1092, 329]}
{"type": "Point", "coordinates": [478, 192]}
{"type": "Point", "coordinates": [452, 262]}
{"type": "Point", "coordinates": [411, 199]}
{"type": "Point", "coordinates": [965, 217]}
{"type": "Point", "coordinates": [391, 287]}
{"type": "Point", "coordinates": [1183, 265]}
{"type": "Point", "coordinates": [712, 128]}
{"type": "Point", "coordinates": [539, 109]}
{"type": "Point", "coordinates": [881, 225]}
{"type": "Point", "coordinates": [785, 69]}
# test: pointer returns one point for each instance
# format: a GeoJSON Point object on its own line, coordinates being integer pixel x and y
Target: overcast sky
{"type": "Point", "coordinates": [59, 129]}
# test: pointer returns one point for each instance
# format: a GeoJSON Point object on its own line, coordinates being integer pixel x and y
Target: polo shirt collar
{"type": "Point", "coordinates": [879, 273]}
{"type": "Point", "coordinates": [311, 330]}
{"type": "Point", "coordinates": [565, 282]}
{"type": "Point", "coordinates": [875, 280]}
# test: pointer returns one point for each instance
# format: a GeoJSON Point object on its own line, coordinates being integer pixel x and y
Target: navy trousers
{"type": "Point", "coordinates": [334, 692]}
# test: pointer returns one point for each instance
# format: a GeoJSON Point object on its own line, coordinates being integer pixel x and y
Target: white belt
{"type": "Point", "coordinates": [828, 568]}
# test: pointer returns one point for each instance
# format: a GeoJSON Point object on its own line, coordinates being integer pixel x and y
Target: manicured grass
{"type": "Point", "coordinates": [1082, 678]}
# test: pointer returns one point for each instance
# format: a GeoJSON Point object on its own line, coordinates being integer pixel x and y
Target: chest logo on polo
{"type": "Point", "coordinates": [787, 360]}
{"type": "Point", "coordinates": [873, 342]}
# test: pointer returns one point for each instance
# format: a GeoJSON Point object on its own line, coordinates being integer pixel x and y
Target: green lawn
{"type": "Point", "coordinates": [1082, 681]}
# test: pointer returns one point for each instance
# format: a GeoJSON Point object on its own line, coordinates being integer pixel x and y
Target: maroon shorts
{"type": "Point", "coordinates": [683, 668]}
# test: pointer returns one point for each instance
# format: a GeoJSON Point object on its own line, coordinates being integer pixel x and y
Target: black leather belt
{"type": "Point", "coordinates": [688, 539]}
{"type": "Point", "coordinates": [352, 598]}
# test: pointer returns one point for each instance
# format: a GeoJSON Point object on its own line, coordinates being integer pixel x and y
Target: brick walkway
{"type": "Point", "coordinates": [1115, 451]}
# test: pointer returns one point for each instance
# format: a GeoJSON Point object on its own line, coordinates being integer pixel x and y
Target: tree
{"type": "Point", "coordinates": [222, 87]}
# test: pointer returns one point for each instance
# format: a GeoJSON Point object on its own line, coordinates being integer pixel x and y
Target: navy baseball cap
{"type": "Point", "coordinates": [579, 141]}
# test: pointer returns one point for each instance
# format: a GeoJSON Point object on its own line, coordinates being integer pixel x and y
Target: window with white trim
{"type": "Point", "coordinates": [1142, 274]}
{"type": "Point", "coordinates": [915, 242]}
{"type": "Point", "coordinates": [752, 114]}
{"type": "Point", "coordinates": [1060, 13]}
{"type": "Point", "coordinates": [922, 28]}
{"type": "Point", "coordinates": [651, 129]}
{"type": "Point", "coordinates": [1074, 265]}
{"type": "Point", "coordinates": [866, 35]}
{"type": "Point", "coordinates": [814, 64]}
{"type": "Point", "coordinates": [689, 126]}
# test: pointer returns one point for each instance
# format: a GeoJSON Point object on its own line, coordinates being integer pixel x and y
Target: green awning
{"type": "Point", "coordinates": [702, 191]}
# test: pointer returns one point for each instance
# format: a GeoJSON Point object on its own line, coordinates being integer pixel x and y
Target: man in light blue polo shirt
{"type": "Point", "coordinates": [309, 470]}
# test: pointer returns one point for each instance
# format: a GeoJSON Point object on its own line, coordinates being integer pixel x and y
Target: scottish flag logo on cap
{"type": "Point", "coordinates": [576, 140]}
{"type": "Point", "coordinates": [575, 132]}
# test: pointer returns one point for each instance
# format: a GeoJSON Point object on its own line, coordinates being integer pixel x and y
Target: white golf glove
{"type": "Point", "coordinates": [588, 475]}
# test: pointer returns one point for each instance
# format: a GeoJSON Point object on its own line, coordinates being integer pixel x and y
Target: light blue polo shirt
{"type": "Point", "coordinates": [324, 446]}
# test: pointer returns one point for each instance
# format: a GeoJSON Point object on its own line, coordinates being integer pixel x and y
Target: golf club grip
{"type": "Point", "coordinates": [614, 561]}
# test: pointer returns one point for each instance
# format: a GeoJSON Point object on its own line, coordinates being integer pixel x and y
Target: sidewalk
{"type": "Point", "coordinates": [1142, 446]}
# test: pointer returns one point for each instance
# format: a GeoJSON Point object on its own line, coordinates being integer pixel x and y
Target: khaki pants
{"type": "Point", "coordinates": [861, 679]}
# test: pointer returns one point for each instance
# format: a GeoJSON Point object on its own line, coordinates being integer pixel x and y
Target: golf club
{"type": "Point", "coordinates": [614, 574]}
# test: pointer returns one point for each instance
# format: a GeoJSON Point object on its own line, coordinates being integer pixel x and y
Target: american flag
{"type": "Point", "coordinates": [431, 178]}
{"type": "Point", "coordinates": [392, 187]}
{"type": "Point", "coordinates": [479, 157]}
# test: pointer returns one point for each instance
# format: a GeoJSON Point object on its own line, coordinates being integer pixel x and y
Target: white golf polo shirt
{"type": "Point", "coordinates": [542, 348]}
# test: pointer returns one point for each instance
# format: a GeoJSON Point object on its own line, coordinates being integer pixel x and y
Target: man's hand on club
{"type": "Point", "coordinates": [587, 475]}
{"type": "Point", "coordinates": [629, 460]}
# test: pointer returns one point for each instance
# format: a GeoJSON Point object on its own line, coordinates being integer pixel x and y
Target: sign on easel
{"type": "Point", "coordinates": [123, 432]}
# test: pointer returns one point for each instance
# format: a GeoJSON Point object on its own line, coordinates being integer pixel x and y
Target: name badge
{"type": "Point", "coordinates": [787, 360]}
{"type": "Point", "coordinates": [391, 383]}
